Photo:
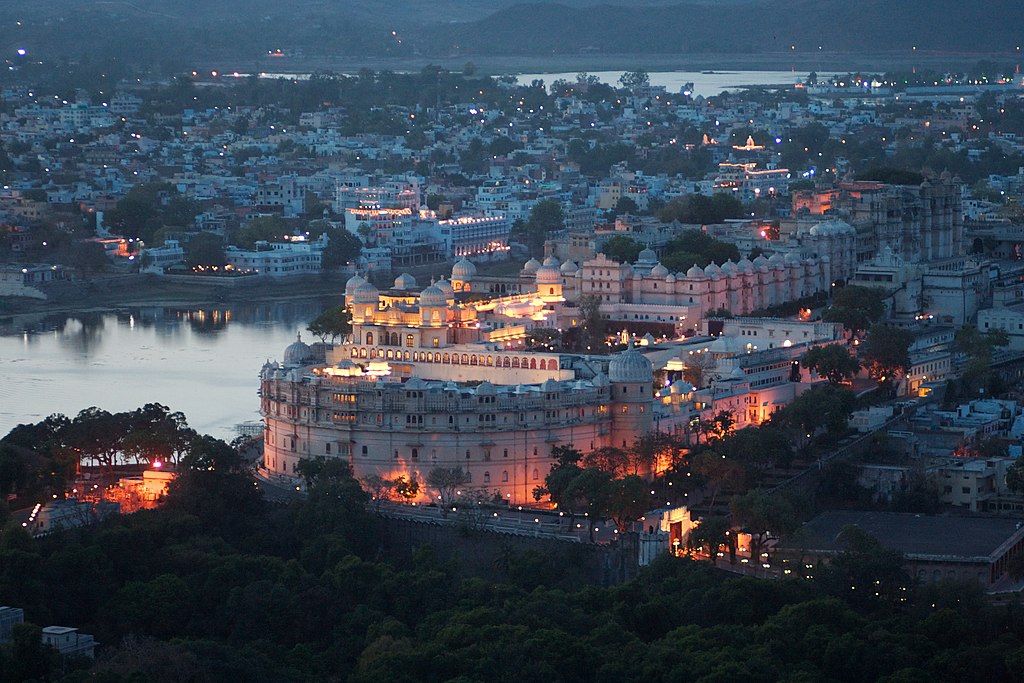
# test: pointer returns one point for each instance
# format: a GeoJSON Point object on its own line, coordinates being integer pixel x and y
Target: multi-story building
{"type": "Point", "coordinates": [422, 384]}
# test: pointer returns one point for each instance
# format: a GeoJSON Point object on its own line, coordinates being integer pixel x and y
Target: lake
{"type": "Point", "coordinates": [203, 361]}
{"type": "Point", "coordinates": [705, 84]}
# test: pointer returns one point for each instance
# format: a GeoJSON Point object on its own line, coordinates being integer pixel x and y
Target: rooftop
{"type": "Point", "coordinates": [916, 536]}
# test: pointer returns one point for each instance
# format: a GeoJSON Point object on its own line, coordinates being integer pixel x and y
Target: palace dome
{"type": "Point", "coordinates": [463, 270]}
{"type": "Point", "coordinates": [630, 366]}
{"type": "Point", "coordinates": [548, 275]}
{"type": "Point", "coordinates": [405, 282]}
{"type": "Point", "coordinates": [695, 271]}
{"type": "Point", "coordinates": [712, 269]}
{"type": "Point", "coordinates": [446, 287]}
{"type": "Point", "coordinates": [552, 261]}
{"type": "Point", "coordinates": [365, 293]}
{"type": "Point", "coordinates": [352, 284]}
{"type": "Point", "coordinates": [659, 271]}
{"type": "Point", "coordinates": [647, 256]}
{"type": "Point", "coordinates": [433, 296]}
{"type": "Point", "coordinates": [297, 353]}
{"type": "Point", "coordinates": [568, 268]}
{"type": "Point", "coordinates": [531, 266]}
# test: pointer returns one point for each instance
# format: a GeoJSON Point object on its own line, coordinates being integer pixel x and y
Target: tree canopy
{"type": "Point", "coordinates": [833, 362]}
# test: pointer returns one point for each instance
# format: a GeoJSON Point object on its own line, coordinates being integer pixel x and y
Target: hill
{"type": "Point", "coordinates": [181, 34]}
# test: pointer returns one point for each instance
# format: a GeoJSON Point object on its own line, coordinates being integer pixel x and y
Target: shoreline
{"type": "Point", "coordinates": [107, 294]}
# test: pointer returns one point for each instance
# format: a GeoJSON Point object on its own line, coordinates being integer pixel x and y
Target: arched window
{"type": "Point", "coordinates": [507, 362]}
{"type": "Point", "coordinates": [362, 353]}
{"type": "Point", "coordinates": [515, 362]}
{"type": "Point", "coordinates": [369, 338]}
{"type": "Point", "coordinates": [536, 473]}
{"type": "Point", "coordinates": [543, 364]}
{"type": "Point", "coordinates": [455, 359]}
{"type": "Point", "coordinates": [504, 476]}
{"type": "Point", "coordinates": [391, 354]}
{"type": "Point", "coordinates": [490, 361]}
{"type": "Point", "coordinates": [355, 353]}
{"type": "Point", "coordinates": [447, 358]}
{"type": "Point", "coordinates": [472, 359]}
{"type": "Point", "coordinates": [487, 477]}
{"type": "Point", "coordinates": [437, 358]}
{"type": "Point", "coordinates": [415, 453]}
{"type": "Point", "coordinates": [533, 363]}
{"type": "Point", "coordinates": [553, 365]}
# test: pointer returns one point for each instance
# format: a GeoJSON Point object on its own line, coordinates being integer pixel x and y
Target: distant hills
{"type": "Point", "coordinates": [178, 33]}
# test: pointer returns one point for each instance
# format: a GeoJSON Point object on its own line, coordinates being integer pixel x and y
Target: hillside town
{"type": "Point", "coordinates": [726, 327]}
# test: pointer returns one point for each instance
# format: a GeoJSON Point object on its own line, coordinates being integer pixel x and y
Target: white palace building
{"type": "Point", "coordinates": [437, 377]}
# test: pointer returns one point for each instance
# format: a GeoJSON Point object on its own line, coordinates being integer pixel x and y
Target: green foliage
{"type": "Point", "coordinates": [332, 323]}
{"type": "Point", "coordinates": [261, 229]}
{"type": "Point", "coordinates": [891, 176]}
{"type": "Point", "coordinates": [343, 247]}
{"type": "Point", "coordinates": [632, 80]}
{"type": "Point", "coordinates": [698, 208]}
{"type": "Point", "coordinates": [825, 407]}
{"type": "Point", "coordinates": [886, 354]}
{"type": "Point", "coordinates": [856, 307]}
{"type": "Point", "coordinates": [832, 362]}
{"type": "Point", "coordinates": [206, 250]}
{"type": "Point", "coordinates": [545, 218]}
{"type": "Point", "coordinates": [148, 207]}
{"type": "Point", "coordinates": [696, 247]}
{"type": "Point", "coordinates": [622, 249]}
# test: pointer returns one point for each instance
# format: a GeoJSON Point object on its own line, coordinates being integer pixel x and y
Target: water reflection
{"type": "Point", "coordinates": [202, 361]}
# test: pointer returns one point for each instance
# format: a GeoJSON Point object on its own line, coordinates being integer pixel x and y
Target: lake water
{"type": "Point", "coordinates": [705, 84]}
{"type": "Point", "coordinates": [202, 361]}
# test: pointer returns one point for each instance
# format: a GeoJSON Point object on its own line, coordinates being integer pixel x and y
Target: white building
{"type": "Point", "coordinates": [279, 259]}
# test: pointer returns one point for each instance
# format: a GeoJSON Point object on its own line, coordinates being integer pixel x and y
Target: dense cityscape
{"type": "Point", "coordinates": [592, 378]}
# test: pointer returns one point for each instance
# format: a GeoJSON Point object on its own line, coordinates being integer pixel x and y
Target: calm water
{"type": "Point", "coordinates": [201, 361]}
{"type": "Point", "coordinates": [705, 84]}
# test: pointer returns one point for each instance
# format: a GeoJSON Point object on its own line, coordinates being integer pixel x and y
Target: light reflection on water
{"type": "Point", "coordinates": [201, 361]}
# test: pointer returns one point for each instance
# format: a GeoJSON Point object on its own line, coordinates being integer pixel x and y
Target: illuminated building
{"type": "Point", "coordinates": [426, 381]}
{"type": "Point", "coordinates": [750, 181]}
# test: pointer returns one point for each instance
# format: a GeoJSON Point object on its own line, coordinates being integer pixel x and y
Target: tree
{"type": "Point", "coordinates": [622, 249]}
{"type": "Point", "coordinates": [260, 229]}
{"type": "Point", "coordinates": [627, 499]}
{"type": "Point", "coordinates": [822, 407]}
{"type": "Point", "coordinates": [626, 205]}
{"type": "Point", "coordinates": [633, 80]}
{"type": "Point", "coordinates": [710, 534]}
{"type": "Point", "coordinates": [446, 482]}
{"type": "Point", "coordinates": [609, 459]}
{"type": "Point", "coordinates": [205, 250]}
{"type": "Point", "coordinates": [1015, 476]}
{"type": "Point", "coordinates": [887, 352]}
{"type": "Point", "coordinates": [335, 322]}
{"type": "Point", "coordinates": [545, 218]}
{"type": "Point", "coordinates": [832, 362]}
{"type": "Point", "coordinates": [342, 247]}
{"type": "Point", "coordinates": [698, 367]}
{"type": "Point", "coordinates": [593, 323]}
{"type": "Point", "coordinates": [85, 256]}
{"type": "Point", "coordinates": [720, 426]}
{"type": "Point", "coordinates": [762, 516]}
{"type": "Point", "coordinates": [856, 307]}
{"type": "Point", "coordinates": [716, 473]}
